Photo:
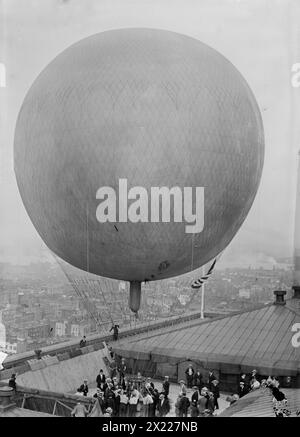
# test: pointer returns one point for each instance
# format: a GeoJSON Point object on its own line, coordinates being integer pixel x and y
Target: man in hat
{"type": "Point", "coordinates": [210, 406]}
{"type": "Point", "coordinates": [243, 390]}
{"type": "Point", "coordinates": [84, 389]}
{"type": "Point", "coordinates": [123, 412]}
{"type": "Point", "coordinates": [133, 401]}
{"type": "Point", "coordinates": [216, 393]}
{"type": "Point", "coordinates": [211, 378]}
{"type": "Point", "coordinates": [202, 401]}
{"type": "Point", "coordinates": [82, 342]}
{"type": "Point", "coordinates": [12, 381]}
{"type": "Point", "coordinates": [194, 401]}
{"type": "Point", "coordinates": [122, 368]}
{"type": "Point", "coordinates": [115, 328]}
{"type": "Point", "coordinates": [254, 376]}
{"type": "Point", "coordinates": [100, 380]}
{"type": "Point", "coordinates": [182, 387]}
{"type": "Point", "coordinates": [189, 376]}
{"type": "Point", "coordinates": [99, 395]}
{"type": "Point", "coordinates": [183, 406]}
{"type": "Point", "coordinates": [109, 396]}
{"type": "Point", "coordinates": [198, 379]}
{"type": "Point", "coordinates": [163, 406]}
{"type": "Point", "coordinates": [177, 405]}
{"type": "Point", "coordinates": [149, 384]}
{"type": "Point", "coordinates": [166, 386]}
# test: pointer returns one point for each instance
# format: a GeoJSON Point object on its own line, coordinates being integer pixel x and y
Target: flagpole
{"type": "Point", "coordinates": [202, 294]}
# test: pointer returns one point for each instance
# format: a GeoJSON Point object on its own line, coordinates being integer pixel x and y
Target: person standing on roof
{"type": "Point", "coordinates": [147, 401]}
{"type": "Point", "coordinates": [280, 403]}
{"type": "Point", "coordinates": [133, 401]}
{"type": "Point", "coordinates": [245, 381]}
{"type": "Point", "coordinates": [123, 412]}
{"type": "Point", "coordinates": [82, 342]}
{"type": "Point", "coordinates": [166, 386]}
{"type": "Point", "coordinates": [189, 376]}
{"type": "Point", "coordinates": [122, 370]}
{"type": "Point", "coordinates": [12, 381]}
{"type": "Point", "coordinates": [202, 401]}
{"type": "Point", "coordinates": [198, 379]}
{"type": "Point", "coordinates": [177, 404]}
{"type": "Point", "coordinates": [84, 389]}
{"type": "Point", "coordinates": [211, 378]}
{"type": "Point", "coordinates": [183, 406]}
{"type": "Point", "coordinates": [243, 389]}
{"type": "Point", "coordinates": [216, 392]}
{"type": "Point", "coordinates": [182, 387]}
{"type": "Point", "coordinates": [100, 380]}
{"type": "Point", "coordinates": [163, 405]}
{"type": "Point", "coordinates": [115, 328]}
{"type": "Point", "coordinates": [99, 395]}
{"type": "Point", "coordinates": [79, 410]}
{"type": "Point", "coordinates": [109, 395]}
{"type": "Point", "coordinates": [194, 402]}
{"type": "Point", "coordinates": [254, 376]}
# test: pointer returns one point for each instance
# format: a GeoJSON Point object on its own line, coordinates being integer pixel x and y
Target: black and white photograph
{"type": "Point", "coordinates": [150, 211]}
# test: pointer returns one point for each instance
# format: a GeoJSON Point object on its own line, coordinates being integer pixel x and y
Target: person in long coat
{"type": "Point", "coordinates": [198, 379]}
{"type": "Point", "coordinates": [189, 376]}
{"type": "Point", "coordinates": [216, 393]}
{"type": "Point", "coordinates": [166, 386]}
{"type": "Point", "coordinates": [211, 378]}
{"type": "Point", "coordinates": [163, 406]}
{"type": "Point", "coordinates": [202, 402]}
{"type": "Point", "coordinates": [194, 402]}
{"type": "Point", "coordinates": [184, 405]}
{"type": "Point", "coordinates": [100, 380]}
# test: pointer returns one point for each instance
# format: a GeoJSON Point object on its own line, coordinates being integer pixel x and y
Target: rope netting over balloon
{"type": "Point", "coordinates": [104, 301]}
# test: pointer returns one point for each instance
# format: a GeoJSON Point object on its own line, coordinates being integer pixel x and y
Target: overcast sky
{"type": "Point", "coordinates": [259, 37]}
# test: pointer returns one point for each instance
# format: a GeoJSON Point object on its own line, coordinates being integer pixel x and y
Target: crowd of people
{"type": "Point", "coordinates": [121, 395]}
{"type": "Point", "coordinates": [253, 382]}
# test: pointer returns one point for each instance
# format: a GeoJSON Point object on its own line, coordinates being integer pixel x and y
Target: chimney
{"type": "Point", "coordinates": [6, 402]}
{"type": "Point", "coordinates": [279, 297]}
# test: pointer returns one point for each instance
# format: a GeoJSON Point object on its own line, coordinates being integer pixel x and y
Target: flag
{"type": "Point", "coordinates": [198, 282]}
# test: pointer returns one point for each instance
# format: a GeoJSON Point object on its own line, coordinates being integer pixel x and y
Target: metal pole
{"type": "Point", "coordinates": [202, 294]}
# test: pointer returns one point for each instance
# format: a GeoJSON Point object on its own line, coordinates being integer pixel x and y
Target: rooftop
{"type": "Point", "coordinates": [259, 404]}
{"type": "Point", "coordinates": [260, 338]}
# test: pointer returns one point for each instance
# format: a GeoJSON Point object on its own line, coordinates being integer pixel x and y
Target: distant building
{"type": "Point", "coordinates": [15, 346]}
{"type": "Point", "coordinates": [61, 329]}
{"type": "Point", "coordinates": [79, 330]}
{"type": "Point", "coordinates": [244, 293]}
{"type": "Point", "coordinates": [183, 298]}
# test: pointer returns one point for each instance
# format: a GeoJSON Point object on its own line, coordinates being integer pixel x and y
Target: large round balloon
{"type": "Point", "coordinates": [151, 108]}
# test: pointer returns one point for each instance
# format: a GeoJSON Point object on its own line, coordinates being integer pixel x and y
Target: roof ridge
{"type": "Point", "coordinates": [196, 322]}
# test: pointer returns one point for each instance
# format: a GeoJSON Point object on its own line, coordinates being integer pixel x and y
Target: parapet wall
{"type": "Point", "coordinates": [18, 363]}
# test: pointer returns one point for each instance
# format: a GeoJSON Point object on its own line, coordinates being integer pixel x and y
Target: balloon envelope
{"type": "Point", "coordinates": [153, 107]}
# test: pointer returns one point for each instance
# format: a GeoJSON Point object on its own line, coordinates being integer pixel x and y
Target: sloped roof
{"type": "Point", "coordinates": [259, 338]}
{"type": "Point", "coordinates": [259, 404]}
{"type": "Point", "coordinates": [23, 412]}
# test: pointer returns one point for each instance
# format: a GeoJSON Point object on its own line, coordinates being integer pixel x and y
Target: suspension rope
{"type": "Point", "coordinates": [79, 293]}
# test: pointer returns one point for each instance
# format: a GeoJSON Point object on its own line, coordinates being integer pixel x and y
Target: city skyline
{"type": "Point", "coordinates": [261, 56]}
